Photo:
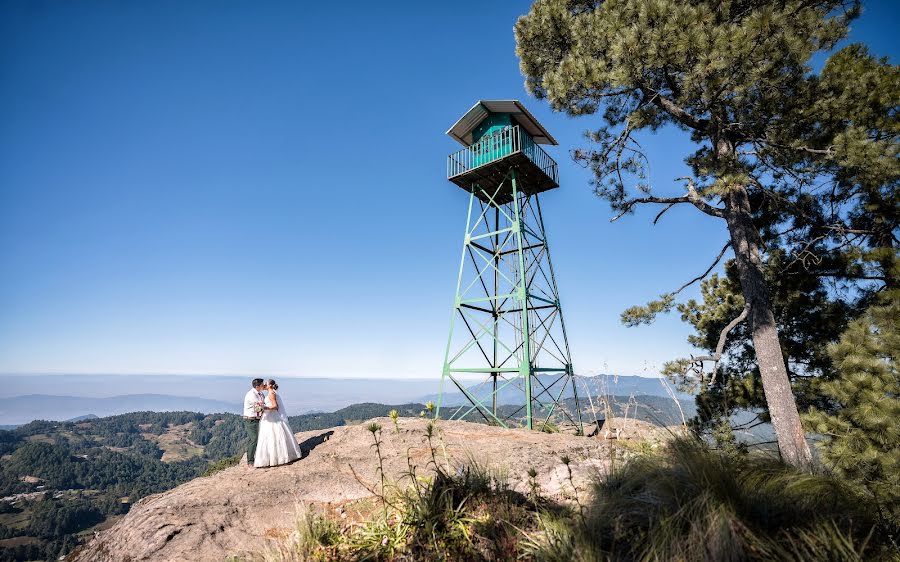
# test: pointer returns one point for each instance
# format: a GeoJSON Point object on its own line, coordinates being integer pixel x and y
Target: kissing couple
{"type": "Point", "coordinates": [270, 441]}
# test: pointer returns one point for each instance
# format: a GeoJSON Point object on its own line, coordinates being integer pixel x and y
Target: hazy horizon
{"type": "Point", "coordinates": [60, 397]}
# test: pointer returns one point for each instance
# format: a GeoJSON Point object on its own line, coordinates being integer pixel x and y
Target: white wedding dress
{"type": "Point", "coordinates": [276, 444]}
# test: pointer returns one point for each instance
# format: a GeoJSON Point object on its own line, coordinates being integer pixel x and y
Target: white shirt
{"type": "Point", "coordinates": [250, 400]}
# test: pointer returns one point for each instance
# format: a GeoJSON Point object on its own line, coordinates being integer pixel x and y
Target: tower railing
{"type": "Point", "coordinates": [503, 143]}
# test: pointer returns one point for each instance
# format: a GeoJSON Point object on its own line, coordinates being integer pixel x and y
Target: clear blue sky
{"type": "Point", "coordinates": [258, 187]}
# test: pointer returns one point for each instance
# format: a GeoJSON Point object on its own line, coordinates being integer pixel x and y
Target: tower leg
{"type": "Point", "coordinates": [522, 298]}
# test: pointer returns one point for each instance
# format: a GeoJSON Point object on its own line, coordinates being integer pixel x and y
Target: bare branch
{"type": "Point", "coordinates": [699, 202]}
{"type": "Point", "coordinates": [843, 275]}
{"type": "Point", "coordinates": [669, 206]}
{"type": "Point", "coordinates": [670, 107]}
{"type": "Point", "coordinates": [692, 197]}
{"type": "Point", "coordinates": [664, 200]}
{"type": "Point", "coordinates": [720, 347]}
{"type": "Point", "coordinates": [822, 152]}
{"type": "Point", "coordinates": [705, 273]}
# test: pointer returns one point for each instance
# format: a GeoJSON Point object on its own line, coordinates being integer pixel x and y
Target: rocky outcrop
{"type": "Point", "coordinates": [238, 510]}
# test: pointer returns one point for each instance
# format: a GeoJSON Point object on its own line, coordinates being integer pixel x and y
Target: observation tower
{"type": "Point", "coordinates": [507, 352]}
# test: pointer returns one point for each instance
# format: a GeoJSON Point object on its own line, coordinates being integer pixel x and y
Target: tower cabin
{"type": "Point", "coordinates": [500, 135]}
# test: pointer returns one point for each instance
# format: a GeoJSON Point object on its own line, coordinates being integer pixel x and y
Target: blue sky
{"type": "Point", "coordinates": [235, 187]}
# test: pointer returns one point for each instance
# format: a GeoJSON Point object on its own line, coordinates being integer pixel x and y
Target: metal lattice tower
{"type": "Point", "coordinates": [507, 328]}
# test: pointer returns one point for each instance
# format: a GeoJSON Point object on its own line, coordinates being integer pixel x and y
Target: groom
{"type": "Point", "coordinates": [253, 403]}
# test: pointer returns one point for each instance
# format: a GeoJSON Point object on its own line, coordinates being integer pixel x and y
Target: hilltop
{"type": "Point", "coordinates": [238, 510]}
{"type": "Point", "coordinates": [62, 481]}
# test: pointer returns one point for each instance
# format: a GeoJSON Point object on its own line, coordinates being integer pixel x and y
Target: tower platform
{"type": "Point", "coordinates": [482, 167]}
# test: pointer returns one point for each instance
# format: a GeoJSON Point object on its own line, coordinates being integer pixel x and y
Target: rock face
{"type": "Point", "coordinates": [236, 510]}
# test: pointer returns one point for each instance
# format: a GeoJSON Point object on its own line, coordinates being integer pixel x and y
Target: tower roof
{"type": "Point", "coordinates": [462, 129]}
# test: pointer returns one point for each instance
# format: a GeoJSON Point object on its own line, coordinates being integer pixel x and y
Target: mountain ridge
{"type": "Point", "coordinates": [23, 409]}
{"type": "Point", "coordinates": [609, 385]}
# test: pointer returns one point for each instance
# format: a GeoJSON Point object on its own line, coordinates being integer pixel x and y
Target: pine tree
{"type": "Point", "coordinates": [862, 435]}
{"type": "Point", "coordinates": [735, 75]}
{"type": "Point", "coordinates": [809, 317]}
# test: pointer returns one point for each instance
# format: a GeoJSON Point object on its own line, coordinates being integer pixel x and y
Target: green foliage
{"type": "Point", "coordinates": [690, 503]}
{"type": "Point", "coordinates": [813, 154]}
{"type": "Point", "coordinates": [395, 416]}
{"type": "Point", "coordinates": [808, 316]}
{"type": "Point", "coordinates": [53, 518]}
{"type": "Point", "coordinates": [549, 427]}
{"type": "Point", "coordinates": [221, 465]}
{"type": "Point", "coordinates": [107, 459]}
{"type": "Point", "coordinates": [637, 315]}
{"type": "Point", "coordinates": [355, 412]}
{"type": "Point", "coordinates": [8, 441]}
{"type": "Point", "coordinates": [88, 467]}
{"type": "Point", "coordinates": [705, 66]}
{"type": "Point", "coordinates": [862, 434]}
{"type": "Point", "coordinates": [314, 533]}
{"type": "Point", "coordinates": [467, 514]}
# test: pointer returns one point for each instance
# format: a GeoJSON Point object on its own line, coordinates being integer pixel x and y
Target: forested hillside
{"type": "Point", "coordinates": [61, 480]}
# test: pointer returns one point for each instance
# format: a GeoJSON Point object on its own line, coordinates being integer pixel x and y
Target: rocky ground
{"type": "Point", "coordinates": [238, 510]}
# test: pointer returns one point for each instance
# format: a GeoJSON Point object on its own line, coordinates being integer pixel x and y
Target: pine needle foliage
{"type": "Point", "coordinates": [862, 430]}
{"type": "Point", "coordinates": [793, 158]}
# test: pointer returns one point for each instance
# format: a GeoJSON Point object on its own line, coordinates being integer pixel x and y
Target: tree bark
{"type": "Point", "coordinates": [776, 384]}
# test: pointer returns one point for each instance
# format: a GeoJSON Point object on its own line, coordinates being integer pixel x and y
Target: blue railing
{"type": "Point", "coordinates": [501, 144]}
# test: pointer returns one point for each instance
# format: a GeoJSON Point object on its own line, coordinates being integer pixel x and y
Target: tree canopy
{"type": "Point", "coordinates": [800, 164]}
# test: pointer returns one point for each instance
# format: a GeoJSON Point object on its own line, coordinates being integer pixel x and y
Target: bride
{"type": "Point", "coordinates": [276, 444]}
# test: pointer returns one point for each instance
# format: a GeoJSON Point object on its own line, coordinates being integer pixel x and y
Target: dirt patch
{"type": "Point", "coordinates": [18, 541]}
{"type": "Point", "coordinates": [17, 521]}
{"type": "Point", "coordinates": [175, 443]}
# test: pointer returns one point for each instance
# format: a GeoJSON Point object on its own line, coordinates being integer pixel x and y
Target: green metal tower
{"type": "Point", "coordinates": [507, 344]}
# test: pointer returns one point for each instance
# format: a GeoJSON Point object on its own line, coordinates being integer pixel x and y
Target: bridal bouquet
{"type": "Point", "coordinates": [259, 409]}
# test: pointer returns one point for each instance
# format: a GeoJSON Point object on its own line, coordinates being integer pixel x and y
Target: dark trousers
{"type": "Point", "coordinates": [252, 429]}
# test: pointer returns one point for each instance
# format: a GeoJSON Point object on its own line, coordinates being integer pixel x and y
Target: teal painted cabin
{"type": "Point", "coordinates": [499, 135]}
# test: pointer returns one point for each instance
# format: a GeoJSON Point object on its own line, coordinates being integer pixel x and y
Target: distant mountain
{"type": "Point", "coordinates": [300, 394]}
{"type": "Point", "coordinates": [23, 409]}
{"type": "Point", "coordinates": [610, 385]}
{"type": "Point", "coordinates": [84, 418]}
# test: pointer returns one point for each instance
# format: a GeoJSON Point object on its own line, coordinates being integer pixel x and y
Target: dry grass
{"type": "Point", "coordinates": [691, 503]}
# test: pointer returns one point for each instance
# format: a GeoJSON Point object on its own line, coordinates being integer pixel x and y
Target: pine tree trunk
{"type": "Point", "coordinates": [776, 384]}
